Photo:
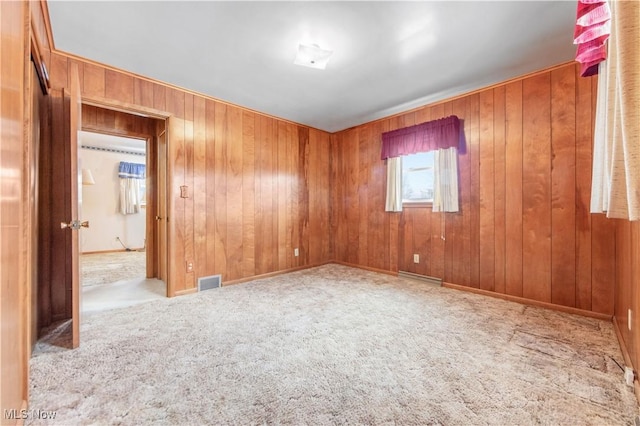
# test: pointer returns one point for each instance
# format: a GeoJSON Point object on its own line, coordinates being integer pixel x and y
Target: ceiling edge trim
{"type": "Point", "coordinates": [182, 89]}
{"type": "Point", "coordinates": [464, 94]}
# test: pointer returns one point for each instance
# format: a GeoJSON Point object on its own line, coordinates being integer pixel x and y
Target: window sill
{"type": "Point", "coordinates": [422, 204]}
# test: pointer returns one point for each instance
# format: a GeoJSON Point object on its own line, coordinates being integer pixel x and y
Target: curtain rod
{"type": "Point", "coordinates": [119, 151]}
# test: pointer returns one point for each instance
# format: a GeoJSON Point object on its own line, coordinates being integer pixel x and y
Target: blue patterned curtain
{"type": "Point", "coordinates": [131, 176]}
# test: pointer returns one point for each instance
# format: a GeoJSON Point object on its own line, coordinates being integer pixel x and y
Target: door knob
{"type": "Point", "coordinates": [74, 224]}
{"type": "Point", "coordinates": [158, 218]}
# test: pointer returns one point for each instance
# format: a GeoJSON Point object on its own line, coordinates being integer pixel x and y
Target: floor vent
{"type": "Point", "coordinates": [207, 283]}
{"type": "Point", "coordinates": [424, 278]}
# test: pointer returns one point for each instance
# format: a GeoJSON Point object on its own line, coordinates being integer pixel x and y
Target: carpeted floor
{"type": "Point", "coordinates": [108, 268]}
{"type": "Point", "coordinates": [335, 345]}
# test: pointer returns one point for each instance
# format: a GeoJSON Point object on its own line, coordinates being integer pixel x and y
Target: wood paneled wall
{"type": "Point", "coordinates": [15, 207]}
{"type": "Point", "coordinates": [524, 228]}
{"type": "Point", "coordinates": [258, 187]}
{"type": "Point", "coordinates": [627, 295]}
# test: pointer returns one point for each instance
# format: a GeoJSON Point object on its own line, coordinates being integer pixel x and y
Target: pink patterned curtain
{"type": "Point", "coordinates": [430, 136]}
{"type": "Point", "coordinates": [593, 27]}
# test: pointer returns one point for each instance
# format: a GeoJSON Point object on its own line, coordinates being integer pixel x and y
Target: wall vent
{"type": "Point", "coordinates": [424, 278]}
{"type": "Point", "coordinates": [207, 283]}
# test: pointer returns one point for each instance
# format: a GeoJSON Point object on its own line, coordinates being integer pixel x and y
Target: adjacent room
{"type": "Point", "coordinates": [320, 212]}
{"type": "Point", "coordinates": [113, 259]}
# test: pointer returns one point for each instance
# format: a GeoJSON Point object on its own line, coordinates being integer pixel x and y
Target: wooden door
{"type": "Point", "coordinates": [73, 110]}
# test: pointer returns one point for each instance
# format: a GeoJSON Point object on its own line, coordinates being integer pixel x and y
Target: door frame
{"type": "Point", "coordinates": [153, 147]}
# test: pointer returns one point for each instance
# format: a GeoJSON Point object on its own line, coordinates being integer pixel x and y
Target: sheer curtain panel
{"type": "Point", "coordinates": [615, 188]}
{"type": "Point", "coordinates": [394, 185]}
{"type": "Point", "coordinates": [131, 176]}
{"type": "Point", "coordinates": [445, 194]}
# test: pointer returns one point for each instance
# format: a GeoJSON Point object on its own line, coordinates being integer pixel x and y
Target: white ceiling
{"type": "Point", "coordinates": [99, 140]}
{"type": "Point", "coordinates": [388, 56]}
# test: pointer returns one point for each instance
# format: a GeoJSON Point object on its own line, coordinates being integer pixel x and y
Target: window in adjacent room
{"type": "Point", "coordinates": [417, 178]}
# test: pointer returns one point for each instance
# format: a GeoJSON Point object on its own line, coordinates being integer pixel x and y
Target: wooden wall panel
{"type": "Point", "coordinates": [209, 231]}
{"type": "Point", "coordinates": [523, 228]}
{"type": "Point", "coordinates": [583, 225]}
{"type": "Point", "coordinates": [93, 80]}
{"type": "Point", "coordinates": [15, 231]}
{"type": "Point", "coordinates": [458, 225]}
{"type": "Point", "coordinates": [283, 193]}
{"type": "Point", "coordinates": [143, 93]}
{"type": "Point", "coordinates": [513, 175]}
{"type": "Point", "coordinates": [500, 187]}
{"type": "Point", "coordinates": [487, 192]}
{"type": "Point", "coordinates": [188, 182]}
{"type": "Point", "coordinates": [320, 190]}
{"type": "Point", "coordinates": [536, 183]}
{"type": "Point", "coordinates": [234, 191]}
{"type": "Point", "coordinates": [58, 70]}
{"type": "Point", "coordinates": [118, 86]}
{"type": "Point", "coordinates": [220, 188]}
{"type": "Point", "coordinates": [364, 136]}
{"type": "Point", "coordinates": [472, 129]}
{"type": "Point", "coordinates": [54, 283]}
{"type": "Point", "coordinates": [301, 196]}
{"type": "Point", "coordinates": [251, 180]}
{"type": "Point", "coordinates": [627, 283]}
{"type": "Point", "coordinates": [116, 123]}
{"type": "Point", "coordinates": [563, 186]}
{"type": "Point", "coordinates": [248, 198]}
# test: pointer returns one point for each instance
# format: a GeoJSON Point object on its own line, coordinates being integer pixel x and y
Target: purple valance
{"type": "Point", "coordinates": [430, 136]}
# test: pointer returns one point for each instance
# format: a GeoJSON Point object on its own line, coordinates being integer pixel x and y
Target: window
{"type": "Point", "coordinates": [417, 178]}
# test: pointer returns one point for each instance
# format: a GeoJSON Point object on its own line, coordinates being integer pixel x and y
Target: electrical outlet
{"type": "Point", "coordinates": [296, 252]}
{"type": "Point", "coordinates": [629, 319]}
{"type": "Point", "coordinates": [189, 266]}
{"type": "Point", "coordinates": [416, 258]}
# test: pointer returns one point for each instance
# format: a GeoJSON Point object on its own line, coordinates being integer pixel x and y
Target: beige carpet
{"type": "Point", "coordinates": [108, 268]}
{"type": "Point", "coordinates": [335, 345]}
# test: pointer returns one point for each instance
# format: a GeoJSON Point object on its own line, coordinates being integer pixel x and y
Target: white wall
{"type": "Point", "coordinates": [101, 205]}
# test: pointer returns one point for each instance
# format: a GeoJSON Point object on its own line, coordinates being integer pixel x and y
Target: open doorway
{"type": "Point", "coordinates": [113, 199]}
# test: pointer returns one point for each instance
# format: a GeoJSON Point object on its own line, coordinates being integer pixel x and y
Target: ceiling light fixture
{"type": "Point", "coordinates": [310, 55]}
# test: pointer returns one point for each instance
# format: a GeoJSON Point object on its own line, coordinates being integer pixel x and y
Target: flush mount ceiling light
{"type": "Point", "coordinates": [310, 55]}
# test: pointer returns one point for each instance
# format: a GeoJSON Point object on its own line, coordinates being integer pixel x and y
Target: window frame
{"type": "Point", "coordinates": [418, 203]}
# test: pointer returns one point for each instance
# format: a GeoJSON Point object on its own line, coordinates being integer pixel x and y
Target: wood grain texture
{"type": "Point", "coordinates": [536, 186]}
{"type": "Point", "coordinates": [14, 312]}
{"type": "Point", "coordinates": [500, 187]}
{"type": "Point", "coordinates": [563, 187]}
{"type": "Point", "coordinates": [584, 160]}
{"type": "Point", "coordinates": [487, 192]}
{"type": "Point", "coordinates": [188, 179]}
{"type": "Point", "coordinates": [73, 124]}
{"type": "Point", "coordinates": [513, 176]}
{"type": "Point", "coordinates": [53, 280]}
{"type": "Point", "coordinates": [118, 86]}
{"type": "Point", "coordinates": [472, 129]}
{"type": "Point", "coordinates": [520, 230]}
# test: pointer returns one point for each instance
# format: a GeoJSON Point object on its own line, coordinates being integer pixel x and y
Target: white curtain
{"type": "Point", "coordinates": [130, 200]}
{"type": "Point", "coordinates": [616, 153]}
{"type": "Point", "coordinates": [445, 194]}
{"type": "Point", "coordinates": [131, 177]}
{"type": "Point", "coordinates": [394, 185]}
